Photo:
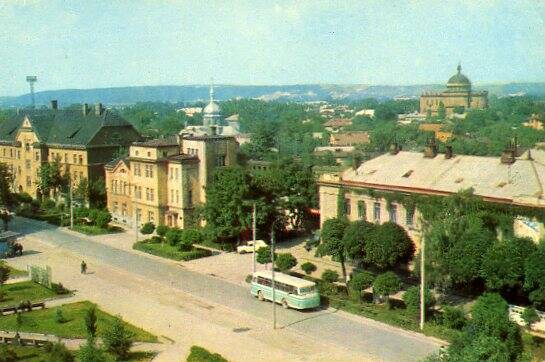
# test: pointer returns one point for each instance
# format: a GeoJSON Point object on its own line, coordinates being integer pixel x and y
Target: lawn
{"type": "Point", "coordinates": [199, 354]}
{"type": "Point", "coordinates": [37, 354]}
{"type": "Point", "coordinates": [95, 230]}
{"type": "Point", "coordinates": [166, 250]}
{"type": "Point", "coordinates": [44, 321]}
{"type": "Point", "coordinates": [16, 273]}
{"type": "Point", "coordinates": [23, 291]}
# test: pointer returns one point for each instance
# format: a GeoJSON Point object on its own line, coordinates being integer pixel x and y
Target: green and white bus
{"type": "Point", "coordinates": [290, 291]}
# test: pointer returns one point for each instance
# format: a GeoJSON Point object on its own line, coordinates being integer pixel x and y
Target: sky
{"type": "Point", "coordinates": [90, 44]}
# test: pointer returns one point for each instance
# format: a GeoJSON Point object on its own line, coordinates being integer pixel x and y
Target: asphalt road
{"type": "Point", "coordinates": [384, 342]}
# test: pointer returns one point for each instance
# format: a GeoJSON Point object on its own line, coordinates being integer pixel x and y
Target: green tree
{"type": "Point", "coordinates": [148, 228]}
{"type": "Point", "coordinates": [354, 238]}
{"type": "Point", "coordinates": [6, 182]}
{"type": "Point", "coordinates": [386, 284]}
{"type": "Point", "coordinates": [103, 218]}
{"type": "Point", "coordinates": [453, 318]}
{"type": "Point", "coordinates": [173, 236]}
{"type": "Point", "coordinates": [7, 354]}
{"type": "Point", "coordinates": [483, 348]}
{"type": "Point", "coordinates": [441, 111]}
{"type": "Point", "coordinates": [332, 241]}
{"type": "Point", "coordinates": [534, 276]}
{"type": "Point", "coordinates": [6, 218]}
{"type": "Point", "coordinates": [529, 316]}
{"type": "Point", "coordinates": [90, 352]}
{"type": "Point", "coordinates": [190, 237]}
{"type": "Point", "coordinates": [57, 352]}
{"type": "Point", "coordinates": [388, 245]}
{"type": "Point", "coordinates": [50, 178]}
{"type": "Point", "coordinates": [59, 317]}
{"type": "Point", "coordinates": [285, 261]}
{"type": "Point", "coordinates": [91, 322]}
{"type": "Point", "coordinates": [4, 273]}
{"type": "Point", "coordinates": [330, 276]}
{"type": "Point", "coordinates": [263, 255]}
{"type": "Point", "coordinates": [360, 282]}
{"type": "Point", "coordinates": [161, 230]}
{"type": "Point", "coordinates": [117, 339]}
{"type": "Point", "coordinates": [412, 300]}
{"type": "Point", "coordinates": [308, 267]}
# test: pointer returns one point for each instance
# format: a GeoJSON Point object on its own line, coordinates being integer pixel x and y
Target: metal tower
{"type": "Point", "coordinates": [31, 79]}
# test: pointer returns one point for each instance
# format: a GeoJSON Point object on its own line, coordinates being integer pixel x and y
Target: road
{"type": "Point", "coordinates": [356, 334]}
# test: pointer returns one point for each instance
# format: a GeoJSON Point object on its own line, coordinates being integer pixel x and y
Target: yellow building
{"type": "Point", "coordinates": [506, 180]}
{"type": "Point", "coordinates": [163, 180]}
{"type": "Point", "coordinates": [457, 95]}
{"type": "Point", "coordinates": [81, 140]}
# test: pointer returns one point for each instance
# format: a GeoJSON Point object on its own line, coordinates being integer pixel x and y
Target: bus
{"type": "Point", "coordinates": [290, 291]}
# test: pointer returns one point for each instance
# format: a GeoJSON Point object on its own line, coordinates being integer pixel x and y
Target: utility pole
{"type": "Point", "coordinates": [253, 234]}
{"type": "Point", "coordinates": [273, 284]}
{"type": "Point", "coordinates": [71, 205]}
{"type": "Point", "coordinates": [135, 221]}
{"type": "Point", "coordinates": [422, 283]}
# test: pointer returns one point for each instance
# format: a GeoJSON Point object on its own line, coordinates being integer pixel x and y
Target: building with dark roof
{"type": "Point", "coordinates": [82, 141]}
{"type": "Point", "coordinates": [457, 97]}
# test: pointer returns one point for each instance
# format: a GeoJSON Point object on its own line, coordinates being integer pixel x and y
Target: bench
{"type": "Point", "coordinates": [37, 342]}
{"type": "Point", "coordinates": [12, 309]}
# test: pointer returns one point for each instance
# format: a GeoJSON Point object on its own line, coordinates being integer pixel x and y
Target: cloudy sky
{"type": "Point", "coordinates": [87, 44]}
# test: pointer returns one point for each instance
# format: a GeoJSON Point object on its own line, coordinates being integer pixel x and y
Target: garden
{"type": "Point", "coordinates": [172, 243]}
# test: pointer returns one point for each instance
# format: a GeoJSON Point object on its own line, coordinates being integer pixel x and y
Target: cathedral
{"type": "Point", "coordinates": [458, 97]}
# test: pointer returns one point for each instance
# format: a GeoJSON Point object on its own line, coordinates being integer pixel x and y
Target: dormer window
{"type": "Point", "coordinates": [408, 173]}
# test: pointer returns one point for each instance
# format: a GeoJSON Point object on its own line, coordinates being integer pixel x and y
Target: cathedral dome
{"type": "Point", "coordinates": [459, 82]}
{"type": "Point", "coordinates": [212, 108]}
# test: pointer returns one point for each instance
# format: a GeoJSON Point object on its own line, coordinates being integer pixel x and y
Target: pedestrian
{"type": "Point", "coordinates": [83, 267]}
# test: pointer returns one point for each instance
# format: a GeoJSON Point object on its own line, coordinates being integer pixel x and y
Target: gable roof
{"type": "Point", "coordinates": [338, 122]}
{"type": "Point", "coordinates": [349, 138]}
{"type": "Point", "coordinates": [68, 127]}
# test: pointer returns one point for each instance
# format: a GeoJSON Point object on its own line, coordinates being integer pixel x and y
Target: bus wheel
{"type": "Point", "coordinates": [260, 296]}
{"type": "Point", "coordinates": [285, 304]}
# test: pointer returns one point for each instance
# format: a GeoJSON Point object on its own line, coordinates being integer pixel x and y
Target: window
{"type": "Point", "coordinates": [137, 169]}
{"type": "Point", "coordinates": [151, 195]}
{"type": "Point", "coordinates": [361, 210]}
{"type": "Point", "coordinates": [27, 147]}
{"type": "Point", "coordinates": [347, 206]}
{"type": "Point", "coordinates": [28, 181]}
{"type": "Point", "coordinates": [150, 171]}
{"type": "Point", "coordinates": [115, 207]}
{"type": "Point", "coordinates": [81, 175]}
{"type": "Point", "coordinates": [189, 197]}
{"type": "Point", "coordinates": [74, 158]}
{"type": "Point", "coordinates": [136, 153]}
{"type": "Point", "coordinates": [409, 217]}
{"type": "Point", "coordinates": [66, 158]}
{"type": "Point", "coordinates": [138, 215]}
{"type": "Point", "coordinates": [37, 156]}
{"type": "Point", "coordinates": [376, 213]}
{"type": "Point", "coordinates": [176, 173]}
{"type": "Point", "coordinates": [18, 154]}
{"type": "Point", "coordinates": [177, 196]}
{"type": "Point", "coordinates": [147, 194]}
{"type": "Point", "coordinates": [4, 152]}
{"type": "Point", "coordinates": [114, 186]}
{"type": "Point", "coordinates": [172, 196]}
{"type": "Point", "coordinates": [149, 154]}
{"type": "Point", "coordinates": [393, 213]}
{"type": "Point", "coordinates": [80, 159]}
{"type": "Point", "coordinates": [124, 209]}
{"type": "Point", "coordinates": [11, 153]}
{"type": "Point", "coordinates": [220, 160]}
{"type": "Point", "coordinates": [125, 188]}
{"type": "Point", "coordinates": [150, 216]}
{"type": "Point", "coordinates": [27, 164]}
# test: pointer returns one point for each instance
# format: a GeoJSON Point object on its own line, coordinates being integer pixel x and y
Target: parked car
{"type": "Point", "coordinates": [249, 247]}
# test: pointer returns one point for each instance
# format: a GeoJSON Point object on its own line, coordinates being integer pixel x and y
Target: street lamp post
{"type": "Point", "coordinates": [71, 205]}
{"type": "Point", "coordinates": [422, 284]}
{"type": "Point", "coordinates": [273, 283]}
{"type": "Point", "coordinates": [253, 235]}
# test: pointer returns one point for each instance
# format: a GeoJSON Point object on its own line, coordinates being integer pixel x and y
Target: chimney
{"type": "Point", "coordinates": [54, 104]}
{"type": "Point", "coordinates": [356, 161]}
{"type": "Point", "coordinates": [508, 156]}
{"type": "Point", "coordinates": [395, 148]}
{"type": "Point", "coordinates": [213, 130]}
{"type": "Point", "coordinates": [431, 149]}
{"type": "Point", "coordinates": [98, 109]}
{"type": "Point", "coordinates": [448, 152]}
{"type": "Point", "coordinates": [85, 109]}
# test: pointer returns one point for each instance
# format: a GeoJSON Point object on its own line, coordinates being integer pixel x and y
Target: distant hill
{"type": "Point", "coordinates": [307, 92]}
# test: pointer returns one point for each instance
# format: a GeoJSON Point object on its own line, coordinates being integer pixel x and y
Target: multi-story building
{"type": "Point", "coordinates": [162, 180]}
{"type": "Point", "coordinates": [457, 95]}
{"type": "Point", "coordinates": [506, 180]}
{"type": "Point", "coordinates": [82, 141]}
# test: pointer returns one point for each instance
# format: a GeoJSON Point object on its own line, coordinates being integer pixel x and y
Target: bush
{"type": "Point", "coordinates": [59, 289]}
{"type": "Point", "coordinates": [57, 352]}
{"type": "Point", "coordinates": [93, 215]}
{"type": "Point", "coordinates": [35, 205]}
{"type": "Point", "coordinates": [7, 354]}
{"type": "Point", "coordinates": [285, 261]}
{"type": "Point", "coordinates": [162, 230]}
{"type": "Point", "coordinates": [529, 316]}
{"type": "Point", "coordinates": [173, 236]}
{"type": "Point", "coordinates": [90, 352]}
{"type": "Point", "coordinates": [23, 197]}
{"type": "Point", "coordinates": [195, 254]}
{"type": "Point", "coordinates": [117, 339]}
{"type": "Point", "coordinates": [190, 237]}
{"type": "Point", "coordinates": [308, 267]}
{"type": "Point", "coordinates": [385, 285]}
{"type": "Point", "coordinates": [81, 212]}
{"type": "Point", "coordinates": [147, 228]}
{"type": "Point", "coordinates": [264, 255]}
{"type": "Point", "coordinates": [59, 317]}
{"type": "Point", "coordinates": [102, 219]}
{"type": "Point", "coordinates": [360, 282]}
{"type": "Point", "coordinates": [453, 318]}
{"type": "Point", "coordinates": [388, 245]}
{"type": "Point", "coordinates": [199, 354]}
{"type": "Point", "coordinates": [48, 204]}
{"type": "Point", "coordinates": [330, 276]}
{"type": "Point", "coordinates": [412, 300]}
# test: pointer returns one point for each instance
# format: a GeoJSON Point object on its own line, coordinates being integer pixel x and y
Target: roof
{"type": "Point", "coordinates": [338, 122]}
{"type": "Point", "coordinates": [349, 138]}
{"type": "Point", "coordinates": [113, 163]}
{"type": "Point", "coordinates": [458, 79]}
{"type": "Point", "coordinates": [159, 142]}
{"type": "Point", "coordinates": [284, 278]}
{"type": "Point", "coordinates": [232, 118]}
{"type": "Point", "coordinates": [65, 126]}
{"type": "Point", "coordinates": [183, 157]}
{"type": "Point", "coordinates": [521, 182]}
{"type": "Point", "coordinates": [430, 127]}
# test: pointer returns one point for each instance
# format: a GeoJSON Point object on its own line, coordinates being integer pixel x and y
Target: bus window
{"type": "Point", "coordinates": [306, 290]}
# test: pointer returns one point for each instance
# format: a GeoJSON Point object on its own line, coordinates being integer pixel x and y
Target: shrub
{"type": "Point", "coordinates": [173, 236]}
{"type": "Point", "coordinates": [162, 230]}
{"type": "Point", "coordinates": [412, 299]}
{"type": "Point", "coordinates": [529, 316]}
{"type": "Point", "coordinates": [57, 352]}
{"type": "Point", "coordinates": [264, 255]}
{"type": "Point", "coordinates": [117, 339]}
{"type": "Point", "coordinates": [195, 254]}
{"type": "Point", "coordinates": [330, 276]}
{"type": "Point", "coordinates": [385, 285]}
{"type": "Point", "coordinates": [48, 204]}
{"type": "Point", "coordinates": [59, 289]}
{"type": "Point", "coordinates": [453, 318]}
{"type": "Point", "coordinates": [360, 282]}
{"type": "Point", "coordinates": [7, 354]}
{"type": "Point", "coordinates": [199, 354]}
{"type": "Point", "coordinates": [93, 215]}
{"type": "Point", "coordinates": [285, 261]}
{"type": "Point", "coordinates": [91, 322]}
{"type": "Point", "coordinates": [35, 206]}
{"type": "Point", "coordinates": [147, 228]}
{"type": "Point", "coordinates": [388, 245]}
{"type": "Point", "coordinates": [102, 219]}
{"type": "Point", "coordinates": [190, 237]}
{"type": "Point", "coordinates": [81, 212]}
{"type": "Point", "coordinates": [23, 197]}
{"type": "Point", "coordinates": [308, 267]}
{"type": "Point", "coordinates": [90, 352]}
{"type": "Point", "coordinates": [59, 317]}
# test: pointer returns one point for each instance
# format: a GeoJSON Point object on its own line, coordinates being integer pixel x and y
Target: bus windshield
{"type": "Point", "coordinates": [307, 290]}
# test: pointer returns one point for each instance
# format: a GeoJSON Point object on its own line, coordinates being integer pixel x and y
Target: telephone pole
{"type": "Point", "coordinates": [273, 284]}
{"type": "Point", "coordinates": [422, 284]}
{"type": "Point", "coordinates": [71, 205]}
{"type": "Point", "coordinates": [253, 234]}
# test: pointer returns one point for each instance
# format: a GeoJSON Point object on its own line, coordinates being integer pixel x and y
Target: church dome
{"type": "Point", "coordinates": [212, 108]}
{"type": "Point", "coordinates": [459, 81]}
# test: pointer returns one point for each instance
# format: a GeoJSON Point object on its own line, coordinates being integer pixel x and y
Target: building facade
{"type": "Point", "coordinates": [82, 141]}
{"type": "Point", "coordinates": [457, 95]}
{"type": "Point", "coordinates": [506, 180]}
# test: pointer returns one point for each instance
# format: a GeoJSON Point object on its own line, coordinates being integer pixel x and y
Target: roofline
{"type": "Point", "coordinates": [421, 191]}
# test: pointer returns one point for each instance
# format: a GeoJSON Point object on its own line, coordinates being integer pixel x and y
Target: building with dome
{"type": "Point", "coordinates": [457, 97]}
